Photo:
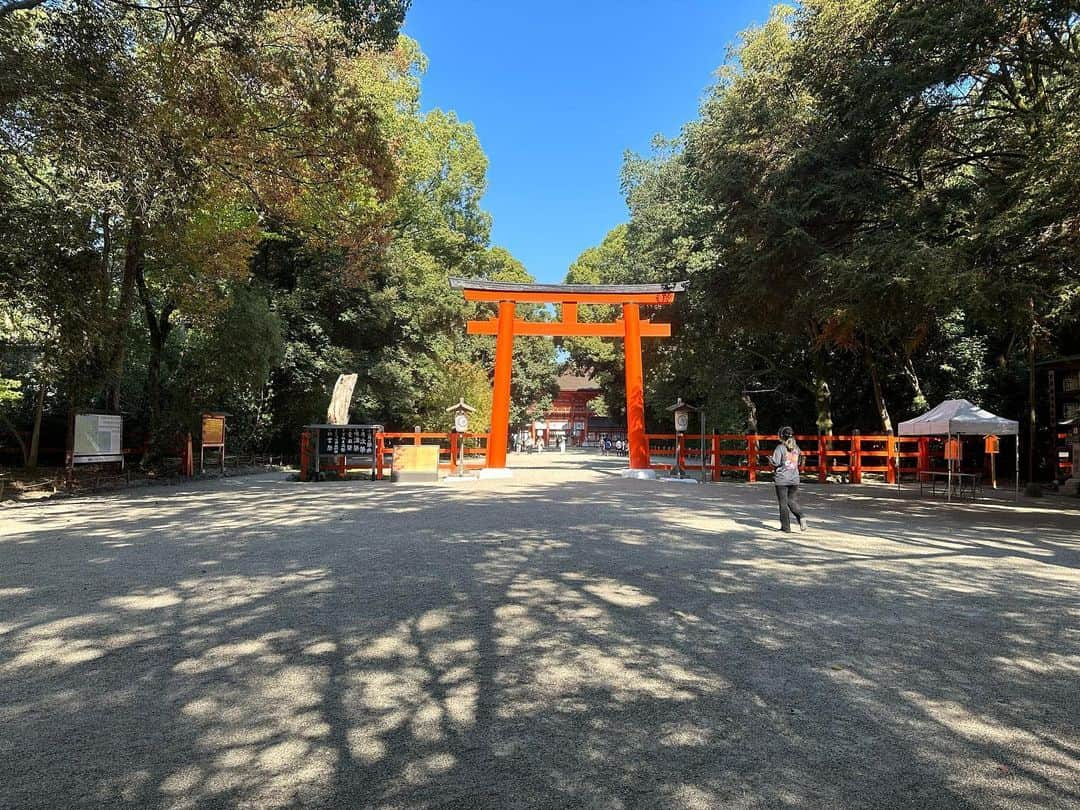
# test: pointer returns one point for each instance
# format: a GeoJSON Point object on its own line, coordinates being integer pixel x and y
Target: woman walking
{"type": "Point", "coordinates": [785, 460]}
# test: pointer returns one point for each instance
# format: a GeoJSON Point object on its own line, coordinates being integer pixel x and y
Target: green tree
{"type": "Point", "coordinates": [236, 123]}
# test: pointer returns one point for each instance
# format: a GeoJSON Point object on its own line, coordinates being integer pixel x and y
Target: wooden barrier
{"type": "Point", "coordinates": [847, 456]}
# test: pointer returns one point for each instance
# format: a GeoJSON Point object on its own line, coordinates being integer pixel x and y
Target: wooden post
{"type": "Point", "coordinates": [680, 454]}
{"type": "Point", "coordinates": [453, 451]}
{"type": "Point", "coordinates": [715, 442]}
{"type": "Point", "coordinates": [305, 455]}
{"type": "Point", "coordinates": [380, 451]}
{"type": "Point", "coordinates": [187, 458]}
{"type": "Point", "coordinates": [924, 453]}
{"type": "Point", "coordinates": [751, 457]}
{"type": "Point", "coordinates": [500, 406]}
{"type": "Point", "coordinates": [891, 471]}
{"type": "Point", "coordinates": [635, 389]}
{"type": "Point", "coordinates": [855, 464]}
{"type": "Point", "coordinates": [822, 459]}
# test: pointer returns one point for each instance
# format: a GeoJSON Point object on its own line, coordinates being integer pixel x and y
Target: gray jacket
{"type": "Point", "coordinates": [786, 465]}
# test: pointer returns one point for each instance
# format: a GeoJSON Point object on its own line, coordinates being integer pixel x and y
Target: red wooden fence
{"type": "Point", "coordinates": [850, 456]}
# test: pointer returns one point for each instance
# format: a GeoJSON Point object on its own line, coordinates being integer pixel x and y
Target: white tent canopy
{"type": "Point", "coordinates": [958, 417]}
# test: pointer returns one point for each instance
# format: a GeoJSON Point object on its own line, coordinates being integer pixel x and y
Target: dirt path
{"type": "Point", "coordinates": [565, 638]}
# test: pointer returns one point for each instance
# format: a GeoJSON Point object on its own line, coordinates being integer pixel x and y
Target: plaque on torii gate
{"type": "Point", "coordinates": [631, 297]}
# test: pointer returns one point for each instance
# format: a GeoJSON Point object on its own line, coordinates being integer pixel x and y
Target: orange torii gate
{"type": "Point", "coordinates": [568, 296]}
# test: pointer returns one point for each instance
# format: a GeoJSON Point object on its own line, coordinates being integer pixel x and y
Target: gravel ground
{"type": "Point", "coordinates": [565, 638]}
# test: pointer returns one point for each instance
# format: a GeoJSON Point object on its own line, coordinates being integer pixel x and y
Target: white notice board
{"type": "Point", "coordinates": [98, 438]}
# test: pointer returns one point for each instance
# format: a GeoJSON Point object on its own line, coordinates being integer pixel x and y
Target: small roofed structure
{"type": "Point", "coordinates": [960, 417]}
{"type": "Point", "coordinates": [569, 413]}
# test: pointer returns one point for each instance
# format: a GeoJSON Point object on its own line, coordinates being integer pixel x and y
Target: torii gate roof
{"type": "Point", "coordinates": [484, 290]}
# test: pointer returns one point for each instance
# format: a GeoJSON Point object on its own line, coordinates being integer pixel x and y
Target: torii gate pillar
{"type": "Point", "coordinates": [500, 400]}
{"type": "Point", "coordinates": [630, 328]}
{"type": "Point", "coordinates": [635, 390]}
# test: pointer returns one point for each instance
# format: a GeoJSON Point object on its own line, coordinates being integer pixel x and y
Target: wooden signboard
{"type": "Point", "coordinates": [213, 430]}
{"type": "Point", "coordinates": [347, 444]}
{"type": "Point", "coordinates": [213, 436]}
{"type": "Point", "coordinates": [416, 462]}
{"type": "Point", "coordinates": [351, 440]}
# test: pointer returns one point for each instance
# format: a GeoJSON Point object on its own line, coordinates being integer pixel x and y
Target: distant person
{"type": "Point", "coordinates": [785, 461]}
{"type": "Point", "coordinates": [607, 446]}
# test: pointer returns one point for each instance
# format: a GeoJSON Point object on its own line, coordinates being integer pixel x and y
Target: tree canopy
{"type": "Point", "coordinates": [875, 207]}
{"type": "Point", "coordinates": [224, 206]}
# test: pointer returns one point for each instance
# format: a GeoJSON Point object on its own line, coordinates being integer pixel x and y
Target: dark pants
{"type": "Point", "coordinates": [788, 496]}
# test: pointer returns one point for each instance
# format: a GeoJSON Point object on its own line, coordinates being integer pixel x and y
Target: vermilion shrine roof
{"type": "Point", "coordinates": [476, 289]}
{"type": "Point", "coordinates": [576, 382]}
{"type": "Point", "coordinates": [459, 283]}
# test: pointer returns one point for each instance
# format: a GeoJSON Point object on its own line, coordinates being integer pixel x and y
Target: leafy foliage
{"type": "Point", "coordinates": [225, 206]}
{"type": "Point", "coordinates": [875, 210]}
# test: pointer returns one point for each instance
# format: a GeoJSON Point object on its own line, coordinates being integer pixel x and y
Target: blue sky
{"type": "Point", "coordinates": [558, 91]}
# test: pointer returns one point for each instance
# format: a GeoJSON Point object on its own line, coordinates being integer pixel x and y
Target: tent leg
{"type": "Point", "coordinates": [949, 461]}
{"type": "Point", "coordinates": [1016, 493]}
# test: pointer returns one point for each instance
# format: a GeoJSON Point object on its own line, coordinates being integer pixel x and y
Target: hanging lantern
{"type": "Point", "coordinates": [992, 445]}
{"type": "Point", "coordinates": [952, 450]}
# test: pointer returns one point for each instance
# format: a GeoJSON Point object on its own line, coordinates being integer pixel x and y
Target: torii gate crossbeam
{"type": "Point", "coordinates": [568, 296]}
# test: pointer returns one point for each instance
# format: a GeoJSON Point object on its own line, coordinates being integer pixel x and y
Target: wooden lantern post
{"type": "Point", "coordinates": [461, 413]}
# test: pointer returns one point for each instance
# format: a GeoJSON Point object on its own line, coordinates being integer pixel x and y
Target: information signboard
{"type": "Point", "coordinates": [98, 438]}
{"type": "Point", "coordinates": [351, 440]}
{"type": "Point", "coordinates": [213, 430]}
{"type": "Point", "coordinates": [213, 438]}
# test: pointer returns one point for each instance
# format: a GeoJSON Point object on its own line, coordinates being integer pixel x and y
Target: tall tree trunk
{"type": "Point", "coordinates": [751, 413]}
{"type": "Point", "coordinates": [1031, 395]}
{"type": "Point", "coordinates": [133, 262]}
{"type": "Point", "coordinates": [918, 400]}
{"type": "Point", "coordinates": [159, 326]}
{"type": "Point", "coordinates": [879, 397]}
{"type": "Point", "coordinates": [18, 437]}
{"type": "Point", "coordinates": [35, 437]}
{"type": "Point", "coordinates": [822, 396]}
{"type": "Point", "coordinates": [105, 282]}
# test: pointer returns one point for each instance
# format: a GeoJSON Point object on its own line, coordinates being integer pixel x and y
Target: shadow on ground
{"type": "Point", "coordinates": [600, 643]}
